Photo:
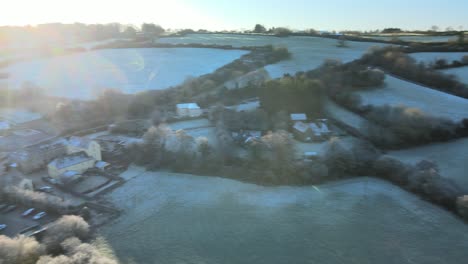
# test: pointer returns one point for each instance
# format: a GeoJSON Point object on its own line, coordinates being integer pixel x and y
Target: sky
{"type": "Point", "coordinates": [243, 14]}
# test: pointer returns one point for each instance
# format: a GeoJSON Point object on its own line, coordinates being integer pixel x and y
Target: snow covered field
{"type": "Point", "coordinates": [84, 75]}
{"type": "Point", "coordinates": [307, 52]}
{"type": "Point", "coordinates": [181, 218]}
{"type": "Point", "coordinates": [428, 57]}
{"type": "Point", "coordinates": [400, 92]}
{"type": "Point", "coordinates": [461, 73]}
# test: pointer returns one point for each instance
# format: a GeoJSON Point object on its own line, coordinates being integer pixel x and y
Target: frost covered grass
{"type": "Point", "coordinates": [85, 75]}
{"type": "Point", "coordinates": [170, 217]}
{"type": "Point", "coordinates": [431, 57]}
{"type": "Point", "coordinates": [307, 52]}
{"type": "Point", "coordinates": [190, 124]}
{"type": "Point", "coordinates": [344, 115]}
{"type": "Point", "coordinates": [417, 38]}
{"type": "Point", "coordinates": [399, 92]}
{"type": "Point", "coordinates": [18, 115]}
{"type": "Point", "coordinates": [460, 73]}
{"type": "Point", "coordinates": [451, 158]}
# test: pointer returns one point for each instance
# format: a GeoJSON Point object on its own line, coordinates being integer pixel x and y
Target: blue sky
{"type": "Point", "coordinates": [243, 14]}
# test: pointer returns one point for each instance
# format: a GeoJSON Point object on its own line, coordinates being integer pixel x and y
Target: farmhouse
{"type": "Point", "coordinates": [189, 110]}
{"type": "Point", "coordinates": [77, 163]}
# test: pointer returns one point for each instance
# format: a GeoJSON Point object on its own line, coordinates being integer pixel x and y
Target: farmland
{"type": "Point", "coordinates": [399, 92]}
{"type": "Point", "coordinates": [307, 52]}
{"type": "Point", "coordinates": [171, 217]}
{"type": "Point", "coordinates": [451, 158]}
{"type": "Point", "coordinates": [84, 75]}
{"type": "Point", "coordinates": [431, 57]}
{"type": "Point", "coordinates": [460, 73]}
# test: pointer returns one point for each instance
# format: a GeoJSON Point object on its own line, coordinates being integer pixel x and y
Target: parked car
{"type": "Point", "coordinates": [46, 189]}
{"type": "Point", "coordinates": [39, 215]}
{"type": "Point", "coordinates": [50, 180]}
{"type": "Point", "coordinates": [2, 226]}
{"type": "Point", "coordinates": [27, 212]}
{"type": "Point", "coordinates": [3, 206]}
{"type": "Point", "coordinates": [10, 208]}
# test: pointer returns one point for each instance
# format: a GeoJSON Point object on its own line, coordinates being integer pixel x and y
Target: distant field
{"type": "Point", "coordinates": [417, 38]}
{"type": "Point", "coordinates": [85, 75]}
{"type": "Point", "coordinates": [428, 57]}
{"type": "Point", "coordinates": [461, 73]}
{"type": "Point", "coordinates": [18, 115]}
{"type": "Point", "coordinates": [399, 92]}
{"type": "Point", "coordinates": [307, 52]}
{"type": "Point", "coordinates": [451, 157]}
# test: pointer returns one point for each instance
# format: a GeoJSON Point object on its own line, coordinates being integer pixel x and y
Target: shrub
{"type": "Point", "coordinates": [67, 226]}
{"type": "Point", "coordinates": [19, 250]}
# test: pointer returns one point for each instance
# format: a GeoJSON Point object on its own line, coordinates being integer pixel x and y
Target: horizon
{"type": "Point", "coordinates": [362, 15]}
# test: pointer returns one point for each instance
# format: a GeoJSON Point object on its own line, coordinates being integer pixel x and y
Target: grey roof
{"type": "Point", "coordinates": [79, 142]}
{"type": "Point", "coordinates": [70, 160]}
{"type": "Point", "coordinates": [188, 106]}
{"type": "Point", "coordinates": [301, 127]}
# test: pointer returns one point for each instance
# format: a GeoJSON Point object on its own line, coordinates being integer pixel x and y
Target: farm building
{"type": "Point", "coordinates": [90, 147]}
{"type": "Point", "coordinates": [77, 162]}
{"type": "Point", "coordinates": [82, 154]}
{"type": "Point", "coordinates": [296, 117]}
{"type": "Point", "coordinates": [311, 131]}
{"type": "Point", "coordinates": [36, 157]}
{"type": "Point", "coordinates": [302, 131]}
{"type": "Point", "coordinates": [189, 110]}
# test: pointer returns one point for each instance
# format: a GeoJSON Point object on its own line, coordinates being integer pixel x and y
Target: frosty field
{"type": "Point", "coordinates": [460, 73]}
{"type": "Point", "coordinates": [428, 57]}
{"type": "Point", "coordinates": [84, 75]}
{"type": "Point", "coordinates": [417, 38]}
{"type": "Point", "coordinates": [451, 157]}
{"type": "Point", "coordinates": [399, 92]}
{"type": "Point", "coordinates": [181, 218]}
{"type": "Point", "coordinates": [307, 52]}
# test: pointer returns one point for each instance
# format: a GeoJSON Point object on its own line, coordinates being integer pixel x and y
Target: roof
{"type": "Point", "coordinates": [4, 125]}
{"type": "Point", "coordinates": [298, 117]}
{"type": "Point", "coordinates": [70, 173]}
{"type": "Point", "coordinates": [301, 127]}
{"type": "Point", "coordinates": [79, 142]}
{"type": "Point", "coordinates": [188, 106]}
{"type": "Point", "coordinates": [101, 164]}
{"type": "Point", "coordinates": [70, 160]}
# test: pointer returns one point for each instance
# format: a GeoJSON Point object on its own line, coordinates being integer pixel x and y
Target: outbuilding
{"type": "Point", "coordinates": [189, 110]}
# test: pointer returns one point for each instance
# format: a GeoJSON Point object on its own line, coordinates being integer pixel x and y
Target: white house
{"type": "Point", "coordinates": [189, 110]}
